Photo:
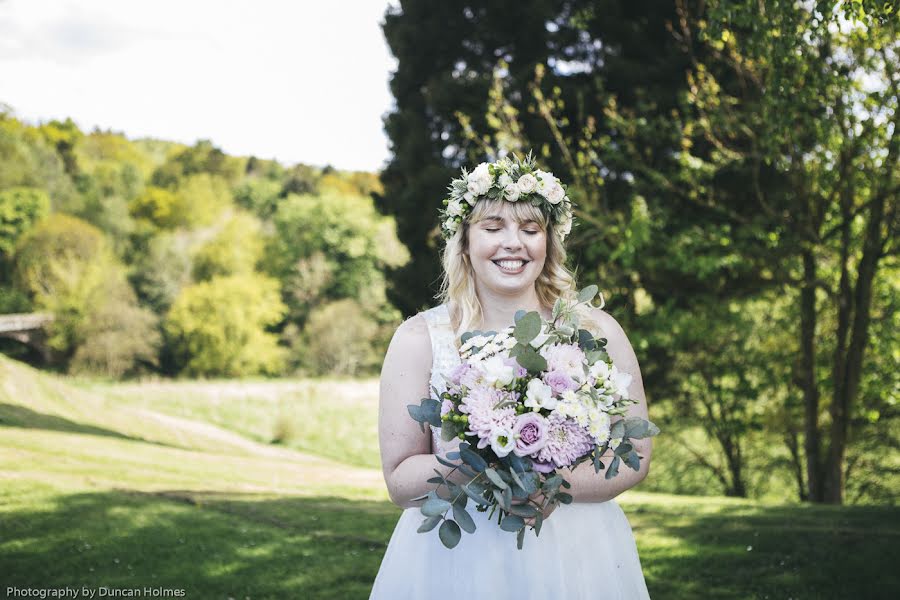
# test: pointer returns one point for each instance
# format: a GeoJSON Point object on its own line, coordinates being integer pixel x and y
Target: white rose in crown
{"type": "Point", "coordinates": [565, 225]}
{"type": "Point", "coordinates": [511, 192]}
{"type": "Point", "coordinates": [555, 194]}
{"type": "Point", "coordinates": [454, 207]}
{"type": "Point", "coordinates": [504, 180]}
{"type": "Point", "coordinates": [470, 198]}
{"type": "Point", "coordinates": [545, 181]}
{"type": "Point", "coordinates": [527, 183]}
{"type": "Point", "coordinates": [479, 180]}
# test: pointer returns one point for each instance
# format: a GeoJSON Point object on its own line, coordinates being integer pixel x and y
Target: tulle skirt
{"type": "Point", "coordinates": [585, 550]}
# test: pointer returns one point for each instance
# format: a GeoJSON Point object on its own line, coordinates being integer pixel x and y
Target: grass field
{"type": "Point", "coordinates": [176, 485]}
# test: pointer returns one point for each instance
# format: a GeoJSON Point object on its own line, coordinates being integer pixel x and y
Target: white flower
{"type": "Point", "coordinates": [614, 442]}
{"type": "Point", "coordinates": [454, 208]}
{"type": "Point", "coordinates": [620, 381]}
{"type": "Point", "coordinates": [496, 372]}
{"type": "Point", "coordinates": [555, 194]}
{"type": "Point", "coordinates": [505, 180]}
{"type": "Point", "coordinates": [599, 370]}
{"type": "Point", "coordinates": [566, 225]}
{"type": "Point", "coordinates": [511, 192]}
{"type": "Point", "coordinates": [502, 441]}
{"type": "Point", "coordinates": [527, 183]}
{"type": "Point", "coordinates": [539, 395]}
{"type": "Point", "coordinates": [451, 225]}
{"type": "Point", "coordinates": [470, 198]}
{"type": "Point", "coordinates": [479, 181]}
{"type": "Point", "coordinates": [509, 343]}
{"type": "Point", "coordinates": [545, 181]}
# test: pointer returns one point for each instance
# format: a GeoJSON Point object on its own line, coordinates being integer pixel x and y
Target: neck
{"type": "Point", "coordinates": [499, 310]}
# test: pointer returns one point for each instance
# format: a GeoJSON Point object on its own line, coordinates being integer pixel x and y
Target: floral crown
{"type": "Point", "coordinates": [513, 180]}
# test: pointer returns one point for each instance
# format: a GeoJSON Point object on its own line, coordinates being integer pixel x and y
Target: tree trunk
{"type": "Point", "coordinates": [807, 378]}
{"type": "Point", "coordinates": [846, 392]}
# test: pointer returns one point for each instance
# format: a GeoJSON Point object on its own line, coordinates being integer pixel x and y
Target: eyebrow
{"type": "Point", "coordinates": [497, 218]}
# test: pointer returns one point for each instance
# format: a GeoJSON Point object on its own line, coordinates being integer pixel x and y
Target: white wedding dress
{"type": "Point", "coordinates": [584, 550]}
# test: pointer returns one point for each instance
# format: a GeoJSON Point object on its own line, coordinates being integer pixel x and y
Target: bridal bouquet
{"type": "Point", "coordinates": [526, 402]}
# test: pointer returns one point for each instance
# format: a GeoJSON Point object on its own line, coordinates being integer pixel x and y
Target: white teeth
{"type": "Point", "coordinates": [512, 265]}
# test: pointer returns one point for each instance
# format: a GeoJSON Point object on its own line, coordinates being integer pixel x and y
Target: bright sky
{"type": "Point", "coordinates": [299, 81]}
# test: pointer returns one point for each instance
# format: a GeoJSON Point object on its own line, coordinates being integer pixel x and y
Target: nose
{"type": "Point", "coordinates": [511, 240]}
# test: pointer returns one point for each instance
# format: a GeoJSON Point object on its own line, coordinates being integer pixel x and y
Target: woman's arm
{"type": "Point", "coordinates": [587, 485]}
{"type": "Point", "coordinates": [406, 458]}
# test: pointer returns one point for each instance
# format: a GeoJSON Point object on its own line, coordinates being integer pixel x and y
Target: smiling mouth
{"type": "Point", "coordinates": [511, 266]}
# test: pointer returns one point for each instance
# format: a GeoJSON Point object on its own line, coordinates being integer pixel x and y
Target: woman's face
{"type": "Point", "coordinates": [506, 256]}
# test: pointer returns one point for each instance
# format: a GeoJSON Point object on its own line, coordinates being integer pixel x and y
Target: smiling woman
{"type": "Point", "coordinates": [505, 227]}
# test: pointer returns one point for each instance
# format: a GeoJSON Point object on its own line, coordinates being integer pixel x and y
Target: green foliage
{"type": "Point", "coordinates": [162, 269]}
{"type": "Point", "coordinates": [201, 158]}
{"type": "Point", "coordinates": [66, 265]}
{"type": "Point", "coordinates": [28, 160]}
{"type": "Point", "coordinates": [338, 339]}
{"type": "Point", "coordinates": [235, 249]}
{"type": "Point", "coordinates": [218, 327]}
{"type": "Point", "coordinates": [20, 209]}
{"type": "Point", "coordinates": [258, 195]}
{"type": "Point", "coordinates": [347, 229]}
{"type": "Point", "coordinates": [201, 199]}
{"type": "Point", "coordinates": [158, 206]}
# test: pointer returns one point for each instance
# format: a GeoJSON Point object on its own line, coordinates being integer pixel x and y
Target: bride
{"type": "Point", "coordinates": [502, 255]}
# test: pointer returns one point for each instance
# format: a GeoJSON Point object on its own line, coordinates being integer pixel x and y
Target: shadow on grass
{"type": "Point", "coordinates": [219, 545]}
{"type": "Point", "coordinates": [211, 545]}
{"type": "Point", "coordinates": [12, 415]}
{"type": "Point", "coordinates": [822, 552]}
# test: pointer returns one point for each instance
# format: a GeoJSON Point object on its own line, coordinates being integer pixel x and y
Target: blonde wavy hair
{"type": "Point", "coordinates": [458, 280]}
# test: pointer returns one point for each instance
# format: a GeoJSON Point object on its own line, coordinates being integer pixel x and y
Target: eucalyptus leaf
{"type": "Point", "coordinates": [565, 498]}
{"type": "Point", "coordinates": [429, 524]}
{"type": "Point", "coordinates": [528, 327]}
{"type": "Point", "coordinates": [538, 523]}
{"type": "Point", "coordinates": [463, 518]}
{"type": "Point", "coordinates": [529, 359]}
{"type": "Point", "coordinates": [617, 430]}
{"type": "Point", "coordinates": [632, 460]}
{"type": "Point", "coordinates": [475, 495]}
{"type": "Point", "coordinates": [434, 507]}
{"type": "Point", "coordinates": [451, 429]}
{"type": "Point", "coordinates": [473, 459]}
{"type": "Point", "coordinates": [495, 478]}
{"type": "Point", "coordinates": [519, 314]}
{"type": "Point", "coordinates": [613, 469]}
{"type": "Point", "coordinates": [623, 449]}
{"type": "Point", "coordinates": [588, 293]}
{"type": "Point", "coordinates": [520, 538]}
{"type": "Point", "coordinates": [449, 534]}
{"type": "Point", "coordinates": [524, 510]}
{"type": "Point", "coordinates": [512, 523]}
{"type": "Point", "coordinates": [431, 411]}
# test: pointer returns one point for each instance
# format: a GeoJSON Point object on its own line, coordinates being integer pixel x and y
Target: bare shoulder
{"type": "Point", "coordinates": [411, 342]}
{"type": "Point", "coordinates": [611, 329]}
{"type": "Point", "coordinates": [617, 343]}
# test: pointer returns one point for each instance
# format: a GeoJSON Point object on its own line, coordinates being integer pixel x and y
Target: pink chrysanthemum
{"type": "Point", "coordinates": [566, 442]}
{"type": "Point", "coordinates": [483, 417]}
{"type": "Point", "coordinates": [567, 358]}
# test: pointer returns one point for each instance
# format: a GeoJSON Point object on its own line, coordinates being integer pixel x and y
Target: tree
{"type": "Point", "coordinates": [218, 327]}
{"type": "Point", "coordinates": [20, 209]}
{"type": "Point", "coordinates": [822, 123]}
{"type": "Point", "coordinates": [67, 267]}
{"type": "Point", "coordinates": [235, 250]}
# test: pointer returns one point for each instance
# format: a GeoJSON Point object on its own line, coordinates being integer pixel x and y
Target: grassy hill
{"type": "Point", "coordinates": [174, 485]}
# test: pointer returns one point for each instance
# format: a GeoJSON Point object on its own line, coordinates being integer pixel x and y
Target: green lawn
{"type": "Point", "coordinates": [170, 485]}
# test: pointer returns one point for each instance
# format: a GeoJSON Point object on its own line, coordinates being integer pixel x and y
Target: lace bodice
{"type": "Point", "coordinates": [445, 358]}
